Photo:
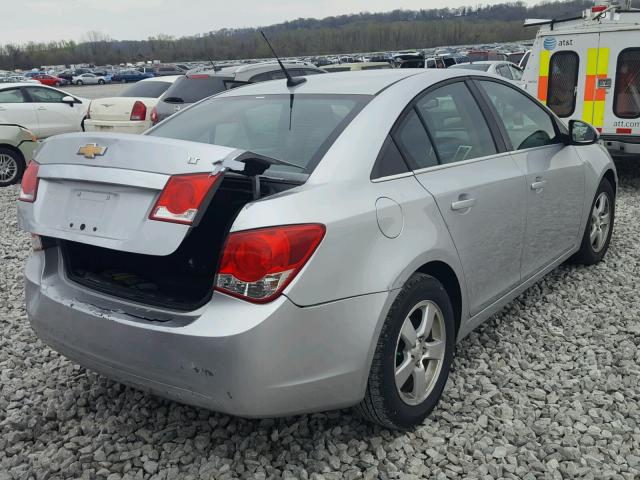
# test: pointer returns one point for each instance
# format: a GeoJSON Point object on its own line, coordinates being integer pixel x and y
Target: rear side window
{"type": "Point", "coordinates": [456, 124]}
{"type": "Point", "coordinates": [526, 123]}
{"type": "Point", "coordinates": [503, 71]}
{"type": "Point", "coordinates": [266, 76]}
{"type": "Point", "coordinates": [12, 95]}
{"type": "Point", "coordinates": [194, 89]}
{"type": "Point", "coordinates": [563, 80]}
{"type": "Point", "coordinates": [626, 103]}
{"type": "Point", "coordinates": [151, 89]}
{"type": "Point", "coordinates": [414, 142]}
{"type": "Point", "coordinates": [389, 162]}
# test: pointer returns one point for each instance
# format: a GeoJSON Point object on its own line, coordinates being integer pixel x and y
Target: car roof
{"type": "Point", "coordinates": [5, 86]}
{"type": "Point", "coordinates": [167, 79]}
{"type": "Point", "coordinates": [367, 82]}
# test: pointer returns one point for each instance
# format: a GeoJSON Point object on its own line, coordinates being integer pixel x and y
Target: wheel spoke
{"type": "Point", "coordinates": [408, 334]}
{"type": "Point", "coordinates": [434, 350]}
{"type": "Point", "coordinates": [419, 381]}
{"type": "Point", "coordinates": [404, 371]}
{"type": "Point", "coordinates": [428, 316]}
{"type": "Point", "coordinates": [604, 219]}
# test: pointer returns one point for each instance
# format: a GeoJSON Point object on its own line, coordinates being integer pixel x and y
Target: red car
{"type": "Point", "coordinates": [49, 80]}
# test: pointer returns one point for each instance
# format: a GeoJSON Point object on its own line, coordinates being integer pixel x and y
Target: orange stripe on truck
{"type": "Point", "coordinates": [543, 77]}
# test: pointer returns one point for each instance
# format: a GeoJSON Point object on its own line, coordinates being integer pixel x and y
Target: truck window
{"type": "Point", "coordinates": [626, 102]}
{"type": "Point", "coordinates": [563, 80]}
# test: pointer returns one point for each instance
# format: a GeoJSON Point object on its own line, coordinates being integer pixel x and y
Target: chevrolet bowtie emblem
{"type": "Point", "coordinates": [92, 150]}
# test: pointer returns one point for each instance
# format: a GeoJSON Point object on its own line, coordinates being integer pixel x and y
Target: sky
{"type": "Point", "coordinates": [43, 20]}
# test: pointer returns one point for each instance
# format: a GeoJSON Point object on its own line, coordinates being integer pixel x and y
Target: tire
{"type": "Point", "coordinates": [100, 82]}
{"type": "Point", "coordinates": [79, 82]}
{"type": "Point", "coordinates": [593, 250]}
{"type": "Point", "coordinates": [397, 407]}
{"type": "Point", "coordinates": [11, 167]}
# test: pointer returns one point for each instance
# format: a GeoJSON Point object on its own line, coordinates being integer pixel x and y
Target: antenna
{"type": "Point", "coordinates": [291, 82]}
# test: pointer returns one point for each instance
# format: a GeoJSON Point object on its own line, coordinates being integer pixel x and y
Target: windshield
{"type": "Point", "coordinates": [260, 124]}
{"type": "Point", "coordinates": [194, 89]}
{"type": "Point", "coordinates": [151, 89]}
{"type": "Point", "coordinates": [473, 66]}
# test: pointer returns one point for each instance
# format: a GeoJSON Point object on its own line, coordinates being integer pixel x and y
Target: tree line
{"type": "Point", "coordinates": [363, 32]}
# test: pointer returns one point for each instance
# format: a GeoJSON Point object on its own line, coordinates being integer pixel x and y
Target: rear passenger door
{"type": "Point", "coordinates": [478, 188]}
{"type": "Point", "coordinates": [554, 176]}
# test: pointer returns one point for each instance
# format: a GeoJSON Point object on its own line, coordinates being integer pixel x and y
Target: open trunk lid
{"type": "Point", "coordinates": [99, 189]}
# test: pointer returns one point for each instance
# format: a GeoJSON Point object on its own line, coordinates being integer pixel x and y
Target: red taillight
{"type": "Point", "coordinates": [258, 264]}
{"type": "Point", "coordinates": [89, 111]}
{"type": "Point", "coordinates": [139, 111]}
{"type": "Point", "coordinates": [29, 188]}
{"type": "Point", "coordinates": [182, 196]}
{"type": "Point", "coordinates": [598, 8]}
{"type": "Point", "coordinates": [154, 116]}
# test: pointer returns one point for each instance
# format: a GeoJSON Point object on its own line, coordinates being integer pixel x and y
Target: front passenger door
{"type": "Point", "coordinates": [479, 190]}
{"type": "Point", "coordinates": [554, 176]}
{"type": "Point", "coordinates": [15, 108]}
{"type": "Point", "coordinates": [54, 115]}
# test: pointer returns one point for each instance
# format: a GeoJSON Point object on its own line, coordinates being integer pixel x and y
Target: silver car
{"type": "Point", "coordinates": [276, 250]}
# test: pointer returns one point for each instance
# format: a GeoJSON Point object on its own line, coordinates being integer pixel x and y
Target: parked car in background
{"type": "Point", "coordinates": [18, 79]}
{"type": "Point", "coordinates": [49, 80]}
{"type": "Point", "coordinates": [167, 70]}
{"type": "Point", "coordinates": [507, 70]}
{"type": "Point", "coordinates": [89, 79]}
{"type": "Point", "coordinates": [353, 67]}
{"type": "Point", "coordinates": [255, 255]}
{"type": "Point", "coordinates": [43, 110]}
{"type": "Point", "coordinates": [192, 88]}
{"type": "Point", "coordinates": [17, 145]}
{"type": "Point", "coordinates": [126, 76]}
{"type": "Point", "coordinates": [129, 112]}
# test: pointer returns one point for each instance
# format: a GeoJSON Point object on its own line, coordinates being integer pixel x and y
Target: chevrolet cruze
{"type": "Point", "coordinates": [287, 248]}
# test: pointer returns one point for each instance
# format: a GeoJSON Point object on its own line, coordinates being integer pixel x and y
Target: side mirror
{"type": "Point", "coordinates": [70, 100]}
{"type": "Point", "coordinates": [582, 133]}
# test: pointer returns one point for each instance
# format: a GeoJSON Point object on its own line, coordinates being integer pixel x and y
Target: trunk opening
{"type": "Point", "coordinates": [182, 280]}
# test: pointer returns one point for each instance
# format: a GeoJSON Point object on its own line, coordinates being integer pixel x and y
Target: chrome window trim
{"type": "Point", "coordinates": [393, 177]}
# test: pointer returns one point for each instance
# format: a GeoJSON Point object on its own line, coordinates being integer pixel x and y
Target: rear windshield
{"type": "Point", "coordinates": [483, 67]}
{"type": "Point", "coordinates": [268, 125]}
{"type": "Point", "coordinates": [194, 89]}
{"type": "Point", "coordinates": [146, 89]}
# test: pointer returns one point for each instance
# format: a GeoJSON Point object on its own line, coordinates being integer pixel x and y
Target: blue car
{"type": "Point", "coordinates": [126, 76]}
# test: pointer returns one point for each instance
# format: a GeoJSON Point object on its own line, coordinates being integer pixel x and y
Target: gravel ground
{"type": "Point", "coordinates": [549, 388]}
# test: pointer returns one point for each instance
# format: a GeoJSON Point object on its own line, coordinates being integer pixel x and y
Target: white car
{"type": "Point", "coordinates": [131, 111]}
{"type": "Point", "coordinates": [507, 70]}
{"type": "Point", "coordinates": [88, 79]}
{"type": "Point", "coordinates": [46, 111]}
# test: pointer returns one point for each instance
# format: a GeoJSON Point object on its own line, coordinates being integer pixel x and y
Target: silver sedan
{"type": "Point", "coordinates": [283, 249]}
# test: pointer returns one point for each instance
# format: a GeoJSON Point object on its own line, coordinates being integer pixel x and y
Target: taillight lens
{"type": "Point", "coordinates": [154, 116]}
{"type": "Point", "coordinates": [182, 196]}
{"type": "Point", "coordinates": [89, 111]}
{"type": "Point", "coordinates": [139, 111]}
{"type": "Point", "coordinates": [29, 188]}
{"type": "Point", "coordinates": [258, 264]}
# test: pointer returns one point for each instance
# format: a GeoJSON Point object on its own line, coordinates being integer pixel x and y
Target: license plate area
{"type": "Point", "coordinates": [90, 212]}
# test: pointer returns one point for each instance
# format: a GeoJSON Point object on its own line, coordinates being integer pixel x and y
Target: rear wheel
{"type": "Point", "coordinates": [79, 82]}
{"type": "Point", "coordinates": [100, 82]}
{"type": "Point", "coordinates": [413, 356]}
{"type": "Point", "coordinates": [11, 167]}
{"type": "Point", "coordinates": [597, 234]}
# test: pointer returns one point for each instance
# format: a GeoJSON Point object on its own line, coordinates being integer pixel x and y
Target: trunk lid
{"type": "Point", "coordinates": [99, 189]}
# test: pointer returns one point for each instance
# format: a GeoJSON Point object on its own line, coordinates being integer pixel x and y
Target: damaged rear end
{"type": "Point", "coordinates": [141, 218]}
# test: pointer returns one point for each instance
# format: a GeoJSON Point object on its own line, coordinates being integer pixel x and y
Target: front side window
{"type": "Point", "coordinates": [297, 132]}
{"type": "Point", "coordinates": [456, 124]}
{"type": "Point", "coordinates": [563, 80]}
{"type": "Point", "coordinates": [626, 102]}
{"type": "Point", "coordinates": [526, 122]}
{"type": "Point", "coordinates": [516, 73]}
{"type": "Point", "coordinates": [12, 95]}
{"type": "Point", "coordinates": [503, 71]}
{"type": "Point", "coordinates": [45, 95]}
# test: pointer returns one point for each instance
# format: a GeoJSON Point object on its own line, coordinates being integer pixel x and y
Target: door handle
{"type": "Point", "coordinates": [42, 108]}
{"type": "Point", "coordinates": [538, 185]}
{"type": "Point", "coordinates": [463, 204]}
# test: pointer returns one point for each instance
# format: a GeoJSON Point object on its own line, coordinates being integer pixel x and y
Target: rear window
{"type": "Point", "coordinates": [563, 79]}
{"type": "Point", "coordinates": [194, 89]}
{"type": "Point", "coordinates": [268, 125]}
{"type": "Point", "coordinates": [151, 89]}
{"type": "Point", "coordinates": [627, 95]}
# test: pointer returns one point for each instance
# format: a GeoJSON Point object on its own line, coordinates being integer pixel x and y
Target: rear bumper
{"type": "Point", "coordinates": [230, 356]}
{"type": "Point", "coordinates": [135, 127]}
{"type": "Point", "coordinates": [622, 145]}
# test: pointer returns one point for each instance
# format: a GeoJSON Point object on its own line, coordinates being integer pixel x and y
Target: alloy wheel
{"type": "Point", "coordinates": [420, 352]}
{"type": "Point", "coordinates": [8, 168]}
{"type": "Point", "coordinates": [600, 222]}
